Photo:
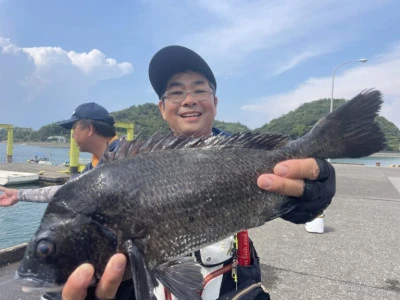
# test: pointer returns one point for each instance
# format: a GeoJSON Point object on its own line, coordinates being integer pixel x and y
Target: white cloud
{"type": "Point", "coordinates": [295, 61]}
{"type": "Point", "coordinates": [95, 60]}
{"type": "Point", "coordinates": [274, 31]}
{"type": "Point", "coordinates": [38, 79]}
{"type": "Point", "coordinates": [381, 72]}
{"type": "Point", "coordinates": [94, 64]}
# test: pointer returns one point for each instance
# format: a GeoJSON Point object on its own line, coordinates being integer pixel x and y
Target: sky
{"type": "Point", "coordinates": [269, 57]}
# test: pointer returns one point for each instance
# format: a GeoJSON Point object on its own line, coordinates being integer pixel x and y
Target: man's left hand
{"type": "Point", "coordinates": [310, 180]}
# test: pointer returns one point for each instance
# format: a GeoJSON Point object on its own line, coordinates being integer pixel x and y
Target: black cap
{"type": "Point", "coordinates": [91, 111]}
{"type": "Point", "coordinates": [174, 59]}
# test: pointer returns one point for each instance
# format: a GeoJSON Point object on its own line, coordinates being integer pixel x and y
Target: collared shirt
{"type": "Point", "coordinates": [113, 146]}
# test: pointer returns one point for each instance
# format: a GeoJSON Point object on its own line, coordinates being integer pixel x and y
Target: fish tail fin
{"type": "Point", "coordinates": [182, 277]}
{"type": "Point", "coordinates": [349, 131]}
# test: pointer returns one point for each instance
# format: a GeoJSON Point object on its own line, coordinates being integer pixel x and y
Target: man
{"type": "Point", "coordinates": [186, 88]}
{"type": "Point", "coordinates": [94, 132]}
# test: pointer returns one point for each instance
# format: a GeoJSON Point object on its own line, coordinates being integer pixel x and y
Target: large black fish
{"type": "Point", "coordinates": [181, 195]}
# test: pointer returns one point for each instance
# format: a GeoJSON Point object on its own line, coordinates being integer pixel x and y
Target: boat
{"type": "Point", "coordinates": [41, 160]}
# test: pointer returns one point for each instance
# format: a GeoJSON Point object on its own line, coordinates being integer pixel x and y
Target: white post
{"type": "Point", "coordinates": [363, 60]}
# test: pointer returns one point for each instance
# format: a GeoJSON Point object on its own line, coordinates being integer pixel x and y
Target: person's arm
{"type": "Point", "coordinates": [310, 180]}
{"type": "Point", "coordinates": [41, 195]}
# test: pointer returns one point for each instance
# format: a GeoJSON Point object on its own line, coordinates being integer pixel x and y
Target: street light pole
{"type": "Point", "coordinates": [363, 60]}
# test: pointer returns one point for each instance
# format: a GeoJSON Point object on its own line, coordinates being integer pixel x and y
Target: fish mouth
{"type": "Point", "coordinates": [31, 285]}
{"type": "Point", "coordinates": [29, 289]}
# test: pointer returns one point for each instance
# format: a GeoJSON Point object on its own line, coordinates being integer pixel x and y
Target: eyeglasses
{"type": "Point", "coordinates": [176, 96]}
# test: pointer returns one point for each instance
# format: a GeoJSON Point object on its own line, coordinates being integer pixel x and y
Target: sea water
{"type": "Point", "coordinates": [23, 153]}
{"type": "Point", "coordinates": [19, 222]}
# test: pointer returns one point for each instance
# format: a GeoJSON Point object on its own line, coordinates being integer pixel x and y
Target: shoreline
{"type": "Point", "coordinates": [385, 154]}
{"type": "Point", "coordinates": [41, 144]}
{"type": "Point", "coordinates": [67, 145]}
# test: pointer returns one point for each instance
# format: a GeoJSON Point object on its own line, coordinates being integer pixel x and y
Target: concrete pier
{"type": "Point", "coordinates": [44, 174]}
{"type": "Point", "coordinates": [356, 258]}
{"type": "Point", "coordinates": [12, 177]}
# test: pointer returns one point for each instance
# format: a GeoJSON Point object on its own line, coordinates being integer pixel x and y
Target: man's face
{"type": "Point", "coordinates": [81, 135]}
{"type": "Point", "coordinates": [189, 117]}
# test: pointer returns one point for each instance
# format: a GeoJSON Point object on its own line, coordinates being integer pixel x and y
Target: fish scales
{"type": "Point", "coordinates": [182, 200]}
{"type": "Point", "coordinates": [178, 194]}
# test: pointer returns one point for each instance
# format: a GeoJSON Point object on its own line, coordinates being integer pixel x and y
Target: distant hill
{"type": "Point", "coordinates": [146, 117]}
{"type": "Point", "coordinates": [298, 122]}
{"type": "Point", "coordinates": [147, 120]}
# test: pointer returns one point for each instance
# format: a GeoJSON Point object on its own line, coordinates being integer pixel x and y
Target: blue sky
{"type": "Point", "coordinates": [268, 56]}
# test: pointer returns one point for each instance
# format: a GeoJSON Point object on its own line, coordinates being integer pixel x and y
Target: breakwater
{"type": "Point", "coordinates": [12, 254]}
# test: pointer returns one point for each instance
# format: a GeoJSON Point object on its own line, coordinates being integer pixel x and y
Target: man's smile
{"type": "Point", "coordinates": [191, 115]}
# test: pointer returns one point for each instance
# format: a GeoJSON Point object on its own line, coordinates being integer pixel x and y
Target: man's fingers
{"type": "Point", "coordinates": [112, 277]}
{"type": "Point", "coordinates": [78, 282]}
{"type": "Point", "coordinates": [8, 197]}
{"type": "Point", "coordinates": [288, 177]}
{"type": "Point", "coordinates": [283, 186]}
{"type": "Point", "coordinates": [298, 169]}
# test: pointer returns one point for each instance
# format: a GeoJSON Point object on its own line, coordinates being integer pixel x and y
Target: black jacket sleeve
{"type": "Point", "coordinates": [317, 195]}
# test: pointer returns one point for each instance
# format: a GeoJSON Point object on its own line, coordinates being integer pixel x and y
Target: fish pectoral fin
{"type": "Point", "coordinates": [182, 277]}
{"type": "Point", "coordinates": [143, 281]}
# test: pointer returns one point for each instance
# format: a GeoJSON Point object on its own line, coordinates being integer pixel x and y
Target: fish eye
{"type": "Point", "coordinates": [44, 248]}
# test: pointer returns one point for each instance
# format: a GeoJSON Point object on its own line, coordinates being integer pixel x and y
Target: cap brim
{"type": "Point", "coordinates": [174, 59]}
{"type": "Point", "coordinates": [67, 124]}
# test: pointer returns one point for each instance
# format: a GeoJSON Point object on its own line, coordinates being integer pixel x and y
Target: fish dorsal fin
{"type": "Point", "coordinates": [161, 142]}
{"type": "Point", "coordinates": [253, 140]}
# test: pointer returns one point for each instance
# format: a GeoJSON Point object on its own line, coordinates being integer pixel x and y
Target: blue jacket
{"type": "Point", "coordinates": [216, 131]}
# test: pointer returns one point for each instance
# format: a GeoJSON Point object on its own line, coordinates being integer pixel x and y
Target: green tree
{"type": "Point", "coordinates": [147, 121]}
{"type": "Point", "coordinates": [230, 127]}
{"type": "Point", "coordinates": [392, 133]}
{"type": "Point", "coordinates": [146, 117]}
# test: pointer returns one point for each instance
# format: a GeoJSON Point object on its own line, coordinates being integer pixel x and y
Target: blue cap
{"type": "Point", "coordinates": [174, 59]}
{"type": "Point", "coordinates": [91, 111]}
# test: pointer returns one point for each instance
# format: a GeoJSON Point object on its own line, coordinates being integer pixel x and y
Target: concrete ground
{"type": "Point", "coordinates": [358, 255]}
{"type": "Point", "coordinates": [356, 258]}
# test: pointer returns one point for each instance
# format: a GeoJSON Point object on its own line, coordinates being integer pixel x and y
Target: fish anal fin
{"type": "Point", "coordinates": [182, 277]}
{"type": "Point", "coordinates": [143, 282]}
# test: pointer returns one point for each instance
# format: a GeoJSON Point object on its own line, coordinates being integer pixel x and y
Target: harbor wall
{"type": "Point", "coordinates": [12, 254]}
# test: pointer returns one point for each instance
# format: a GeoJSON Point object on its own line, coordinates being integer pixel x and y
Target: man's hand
{"type": "Point", "coordinates": [10, 196]}
{"type": "Point", "coordinates": [288, 177]}
{"type": "Point", "coordinates": [79, 281]}
{"type": "Point", "coordinates": [311, 180]}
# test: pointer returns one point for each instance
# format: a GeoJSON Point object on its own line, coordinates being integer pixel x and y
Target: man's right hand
{"type": "Point", "coordinates": [79, 281]}
{"type": "Point", "coordinates": [9, 196]}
